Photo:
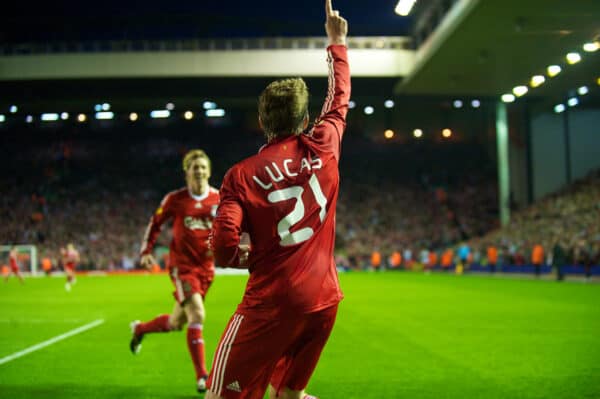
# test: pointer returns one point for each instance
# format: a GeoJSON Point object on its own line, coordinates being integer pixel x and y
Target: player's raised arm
{"type": "Point", "coordinates": [335, 25]}
{"type": "Point", "coordinates": [330, 125]}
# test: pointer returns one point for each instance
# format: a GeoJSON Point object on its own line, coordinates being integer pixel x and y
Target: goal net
{"type": "Point", "coordinates": [27, 258]}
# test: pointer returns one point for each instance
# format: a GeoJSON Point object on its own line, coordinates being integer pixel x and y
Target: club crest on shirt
{"type": "Point", "coordinates": [193, 223]}
{"type": "Point", "coordinates": [198, 205]}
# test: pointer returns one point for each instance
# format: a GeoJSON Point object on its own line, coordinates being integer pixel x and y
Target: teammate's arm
{"type": "Point", "coordinates": [162, 214]}
{"type": "Point", "coordinates": [332, 120]}
{"type": "Point", "coordinates": [227, 228]}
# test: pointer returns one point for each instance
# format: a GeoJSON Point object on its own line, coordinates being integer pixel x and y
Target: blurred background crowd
{"type": "Point", "coordinates": [410, 205]}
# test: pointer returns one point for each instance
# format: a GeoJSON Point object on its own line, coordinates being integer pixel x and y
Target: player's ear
{"type": "Point", "coordinates": [305, 122]}
{"type": "Point", "coordinates": [260, 124]}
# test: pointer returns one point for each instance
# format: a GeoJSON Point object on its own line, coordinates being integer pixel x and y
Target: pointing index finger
{"type": "Point", "coordinates": [328, 8]}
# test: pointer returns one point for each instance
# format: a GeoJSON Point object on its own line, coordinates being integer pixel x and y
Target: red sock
{"type": "Point", "coordinates": [159, 324]}
{"type": "Point", "coordinates": [196, 348]}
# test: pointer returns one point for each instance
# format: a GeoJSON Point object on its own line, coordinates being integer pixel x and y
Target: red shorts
{"type": "Point", "coordinates": [70, 267]}
{"type": "Point", "coordinates": [188, 282]}
{"type": "Point", "coordinates": [255, 351]}
{"type": "Point", "coordinates": [15, 269]}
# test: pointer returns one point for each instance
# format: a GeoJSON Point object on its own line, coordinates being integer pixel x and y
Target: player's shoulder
{"type": "Point", "coordinates": [179, 193]}
{"type": "Point", "coordinates": [244, 167]}
{"type": "Point", "coordinates": [213, 192]}
{"type": "Point", "coordinates": [321, 131]}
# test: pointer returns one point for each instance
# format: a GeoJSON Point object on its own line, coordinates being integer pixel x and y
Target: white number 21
{"type": "Point", "coordinates": [285, 224]}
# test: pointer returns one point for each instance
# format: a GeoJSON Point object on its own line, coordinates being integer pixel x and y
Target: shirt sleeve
{"type": "Point", "coordinates": [227, 226]}
{"type": "Point", "coordinates": [162, 214]}
{"type": "Point", "coordinates": [330, 125]}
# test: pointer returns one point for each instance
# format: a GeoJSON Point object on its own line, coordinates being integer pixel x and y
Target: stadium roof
{"type": "Point", "coordinates": [488, 47]}
{"type": "Point", "coordinates": [481, 48]}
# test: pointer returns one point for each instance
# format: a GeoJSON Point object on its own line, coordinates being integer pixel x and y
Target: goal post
{"type": "Point", "coordinates": [27, 257]}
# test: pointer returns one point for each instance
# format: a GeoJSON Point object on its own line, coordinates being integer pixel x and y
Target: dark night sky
{"type": "Point", "coordinates": [152, 19]}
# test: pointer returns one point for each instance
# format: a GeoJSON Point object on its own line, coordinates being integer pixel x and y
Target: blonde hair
{"type": "Point", "coordinates": [282, 107]}
{"type": "Point", "coordinates": [191, 156]}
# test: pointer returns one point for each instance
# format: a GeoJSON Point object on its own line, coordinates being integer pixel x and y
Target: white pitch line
{"type": "Point", "coordinates": [40, 321]}
{"type": "Point", "coordinates": [51, 341]}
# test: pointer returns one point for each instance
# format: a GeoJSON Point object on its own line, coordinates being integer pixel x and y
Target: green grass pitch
{"type": "Point", "coordinates": [398, 335]}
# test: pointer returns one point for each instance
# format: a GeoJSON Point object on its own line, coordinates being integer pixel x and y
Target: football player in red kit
{"type": "Point", "coordinates": [191, 263]}
{"type": "Point", "coordinates": [70, 259]}
{"type": "Point", "coordinates": [14, 265]}
{"type": "Point", "coordinates": [285, 199]}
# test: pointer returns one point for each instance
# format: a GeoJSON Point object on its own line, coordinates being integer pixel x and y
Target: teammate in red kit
{"type": "Point", "coordinates": [70, 259]}
{"type": "Point", "coordinates": [285, 199]}
{"type": "Point", "coordinates": [191, 263]}
{"type": "Point", "coordinates": [14, 265]}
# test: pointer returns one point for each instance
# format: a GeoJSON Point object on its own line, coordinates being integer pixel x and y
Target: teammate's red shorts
{"type": "Point", "coordinates": [14, 269]}
{"type": "Point", "coordinates": [70, 267]}
{"type": "Point", "coordinates": [188, 281]}
{"type": "Point", "coordinates": [256, 350]}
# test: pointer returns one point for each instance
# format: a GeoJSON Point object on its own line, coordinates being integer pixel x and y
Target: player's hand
{"type": "Point", "coordinates": [335, 26]}
{"type": "Point", "coordinates": [243, 254]}
{"type": "Point", "coordinates": [148, 261]}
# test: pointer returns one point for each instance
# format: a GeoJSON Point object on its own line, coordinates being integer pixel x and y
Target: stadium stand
{"type": "Point", "coordinates": [415, 199]}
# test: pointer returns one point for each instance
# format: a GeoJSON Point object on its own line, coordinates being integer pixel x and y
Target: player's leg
{"type": "Point", "coordinates": [160, 324]}
{"type": "Point", "coordinates": [70, 273]}
{"type": "Point", "coordinates": [20, 277]}
{"type": "Point", "coordinates": [246, 356]}
{"type": "Point", "coordinates": [194, 310]}
{"type": "Point", "coordinates": [295, 368]}
{"type": "Point", "coordinates": [195, 285]}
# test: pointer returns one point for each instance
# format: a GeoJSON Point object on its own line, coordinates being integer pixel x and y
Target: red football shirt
{"type": "Point", "coordinates": [285, 198]}
{"type": "Point", "coordinates": [70, 258]}
{"type": "Point", "coordinates": [192, 218]}
{"type": "Point", "coordinates": [13, 261]}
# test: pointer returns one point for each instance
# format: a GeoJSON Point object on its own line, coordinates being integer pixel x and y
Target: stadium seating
{"type": "Point", "coordinates": [100, 190]}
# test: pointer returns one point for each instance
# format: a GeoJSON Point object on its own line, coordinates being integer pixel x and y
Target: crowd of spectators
{"type": "Point", "coordinates": [564, 225]}
{"type": "Point", "coordinates": [393, 209]}
{"type": "Point", "coordinates": [560, 230]}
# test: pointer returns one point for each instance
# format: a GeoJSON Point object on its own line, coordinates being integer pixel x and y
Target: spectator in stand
{"type": "Point", "coordinates": [559, 259]}
{"type": "Point", "coordinates": [492, 257]}
{"type": "Point", "coordinates": [537, 258]}
{"type": "Point", "coordinates": [376, 260]}
{"type": "Point", "coordinates": [433, 260]}
{"type": "Point", "coordinates": [407, 256]}
{"type": "Point", "coordinates": [447, 258]}
{"type": "Point", "coordinates": [46, 265]}
{"type": "Point", "coordinates": [464, 252]}
{"type": "Point", "coordinates": [395, 260]}
{"type": "Point", "coordinates": [583, 256]}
